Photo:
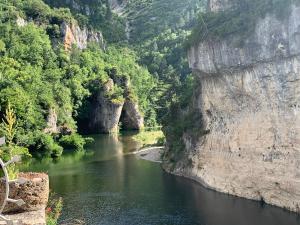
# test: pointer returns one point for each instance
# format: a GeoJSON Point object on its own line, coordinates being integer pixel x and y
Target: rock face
{"type": "Point", "coordinates": [131, 117]}
{"type": "Point", "coordinates": [249, 102]}
{"type": "Point", "coordinates": [51, 122]}
{"type": "Point", "coordinates": [74, 35]}
{"type": "Point", "coordinates": [107, 114]}
{"type": "Point", "coordinates": [219, 5]}
{"type": "Point", "coordinates": [34, 192]}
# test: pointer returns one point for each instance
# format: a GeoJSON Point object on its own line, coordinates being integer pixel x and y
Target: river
{"type": "Point", "coordinates": [107, 186]}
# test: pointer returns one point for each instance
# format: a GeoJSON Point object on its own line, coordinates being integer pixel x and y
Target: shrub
{"type": "Point", "coordinates": [74, 141]}
{"type": "Point", "coordinates": [45, 145]}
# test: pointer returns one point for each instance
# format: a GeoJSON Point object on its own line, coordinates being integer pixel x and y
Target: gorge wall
{"type": "Point", "coordinates": [108, 115]}
{"type": "Point", "coordinates": [248, 99]}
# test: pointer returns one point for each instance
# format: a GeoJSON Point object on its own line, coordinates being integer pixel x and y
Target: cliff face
{"type": "Point", "coordinates": [219, 5]}
{"type": "Point", "coordinates": [107, 115]}
{"type": "Point", "coordinates": [249, 102]}
{"type": "Point", "coordinates": [74, 35]}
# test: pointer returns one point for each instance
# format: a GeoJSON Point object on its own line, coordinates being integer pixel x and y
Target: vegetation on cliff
{"type": "Point", "coordinates": [239, 21]}
{"type": "Point", "coordinates": [98, 15]}
{"type": "Point", "coordinates": [158, 30]}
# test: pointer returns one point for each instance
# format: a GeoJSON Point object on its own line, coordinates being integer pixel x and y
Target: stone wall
{"type": "Point", "coordinates": [34, 192]}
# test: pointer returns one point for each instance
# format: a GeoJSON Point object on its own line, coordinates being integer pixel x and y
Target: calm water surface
{"type": "Point", "coordinates": [108, 186]}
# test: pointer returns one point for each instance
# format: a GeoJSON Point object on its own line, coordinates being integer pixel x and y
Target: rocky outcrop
{"type": "Point", "coordinates": [73, 34]}
{"type": "Point", "coordinates": [51, 122]}
{"type": "Point", "coordinates": [118, 6]}
{"type": "Point", "coordinates": [80, 6]}
{"type": "Point", "coordinates": [21, 22]}
{"type": "Point", "coordinates": [249, 105]}
{"type": "Point", "coordinates": [131, 117]}
{"type": "Point", "coordinates": [34, 192]}
{"type": "Point", "coordinates": [219, 5]}
{"type": "Point", "coordinates": [27, 218]}
{"type": "Point", "coordinates": [106, 113]}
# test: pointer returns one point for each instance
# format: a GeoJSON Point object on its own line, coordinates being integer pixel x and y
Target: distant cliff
{"type": "Point", "coordinates": [73, 34]}
{"type": "Point", "coordinates": [244, 137]}
{"type": "Point", "coordinates": [100, 14]}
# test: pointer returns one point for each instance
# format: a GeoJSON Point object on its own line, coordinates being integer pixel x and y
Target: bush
{"type": "Point", "coordinates": [45, 145]}
{"type": "Point", "coordinates": [74, 141]}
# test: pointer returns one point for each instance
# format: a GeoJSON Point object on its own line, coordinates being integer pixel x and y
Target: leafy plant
{"type": "Point", "coordinates": [74, 141]}
{"type": "Point", "coordinates": [53, 209]}
{"type": "Point", "coordinates": [8, 127]}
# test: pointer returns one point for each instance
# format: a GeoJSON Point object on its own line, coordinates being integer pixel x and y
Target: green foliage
{"type": "Point", "coordinates": [149, 18]}
{"type": "Point", "coordinates": [240, 21]}
{"type": "Point", "coordinates": [98, 15]}
{"type": "Point", "coordinates": [158, 31]}
{"type": "Point", "coordinates": [53, 209]}
{"type": "Point", "coordinates": [74, 141]}
{"type": "Point", "coordinates": [11, 149]}
{"type": "Point", "coordinates": [182, 120]}
{"type": "Point", "coordinates": [45, 145]}
{"type": "Point", "coordinates": [37, 77]}
{"type": "Point", "coordinates": [149, 138]}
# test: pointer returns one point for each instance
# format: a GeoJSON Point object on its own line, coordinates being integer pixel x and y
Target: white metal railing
{"type": "Point", "coordinates": [19, 202]}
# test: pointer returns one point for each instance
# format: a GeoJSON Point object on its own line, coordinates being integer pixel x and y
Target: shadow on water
{"type": "Point", "coordinates": [106, 186]}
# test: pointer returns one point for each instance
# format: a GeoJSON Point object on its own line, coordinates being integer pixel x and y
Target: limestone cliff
{"type": "Point", "coordinates": [106, 114]}
{"type": "Point", "coordinates": [72, 34]}
{"type": "Point", "coordinates": [51, 122]}
{"type": "Point", "coordinates": [131, 117]}
{"type": "Point", "coordinates": [219, 5]}
{"type": "Point", "coordinates": [248, 102]}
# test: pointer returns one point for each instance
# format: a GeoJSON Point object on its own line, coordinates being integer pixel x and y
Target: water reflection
{"type": "Point", "coordinates": [105, 186]}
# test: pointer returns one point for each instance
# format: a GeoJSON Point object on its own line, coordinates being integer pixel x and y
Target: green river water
{"type": "Point", "coordinates": [106, 185]}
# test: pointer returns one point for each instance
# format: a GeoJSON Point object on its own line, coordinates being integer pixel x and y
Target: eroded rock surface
{"type": "Point", "coordinates": [249, 102]}
{"type": "Point", "coordinates": [51, 122]}
{"type": "Point", "coordinates": [131, 117]}
{"type": "Point", "coordinates": [28, 218]}
{"type": "Point", "coordinates": [106, 113]}
{"type": "Point", "coordinates": [80, 37]}
{"type": "Point", "coordinates": [34, 192]}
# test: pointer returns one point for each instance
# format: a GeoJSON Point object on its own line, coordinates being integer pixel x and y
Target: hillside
{"type": "Point", "coordinates": [53, 68]}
